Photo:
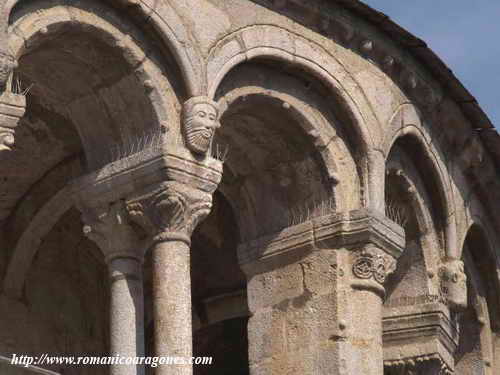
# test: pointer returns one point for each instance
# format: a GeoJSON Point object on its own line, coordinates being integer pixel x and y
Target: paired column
{"type": "Point", "coordinates": [162, 198]}
{"type": "Point", "coordinates": [315, 295]}
{"type": "Point", "coordinates": [123, 252]}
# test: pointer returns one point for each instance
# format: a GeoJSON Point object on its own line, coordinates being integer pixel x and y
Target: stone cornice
{"type": "Point", "coordinates": [354, 229]}
{"type": "Point", "coordinates": [136, 174]}
{"type": "Point", "coordinates": [359, 226]}
{"type": "Point", "coordinates": [167, 195]}
{"type": "Point", "coordinates": [427, 332]}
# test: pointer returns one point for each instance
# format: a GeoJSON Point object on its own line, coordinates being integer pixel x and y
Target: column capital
{"type": "Point", "coordinates": [110, 229]}
{"type": "Point", "coordinates": [453, 284]}
{"type": "Point", "coordinates": [170, 212]}
{"type": "Point", "coordinates": [425, 364]}
{"type": "Point", "coordinates": [372, 263]}
{"type": "Point", "coordinates": [12, 108]}
{"type": "Point", "coordinates": [166, 194]}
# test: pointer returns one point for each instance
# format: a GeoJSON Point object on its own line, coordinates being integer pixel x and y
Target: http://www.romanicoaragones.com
{"type": "Point", "coordinates": [47, 360]}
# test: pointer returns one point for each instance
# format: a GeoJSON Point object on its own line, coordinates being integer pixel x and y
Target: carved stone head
{"type": "Point", "coordinates": [7, 64]}
{"type": "Point", "coordinates": [200, 120]}
{"type": "Point", "coordinates": [454, 284]}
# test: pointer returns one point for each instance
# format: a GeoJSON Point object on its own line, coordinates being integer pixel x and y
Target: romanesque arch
{"type": "Point", "coordinates": [41, 40]}
{"type": "Point", "coordinates": [286, 189]}
{"type": "Point", "coordinates": [275, 44]}
{"type": "Point", "coordinates": [406, 123]}
{"type": "Point", "coordinates": [168, 25]}
{"type": "Point", "coordinates": [478, 323]}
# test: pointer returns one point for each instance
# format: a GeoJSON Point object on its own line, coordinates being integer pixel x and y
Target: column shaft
{"type": "Point", "coordinates": [364, 334]}
{"type": "Point", "coordinates": [127, 314]}
{"type": "Point", "coordinates": [172, 305]}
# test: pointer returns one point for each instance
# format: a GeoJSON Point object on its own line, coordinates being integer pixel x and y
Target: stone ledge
{"type": "Point", "coordinates": [358, 227]}
{"type": "Point", "coordinates": [420, 334]}
{"type": "Point", "coordinates": [138, 172]}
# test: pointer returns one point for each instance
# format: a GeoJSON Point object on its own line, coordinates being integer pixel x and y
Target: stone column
{"type": "Point", "coordinates": [166, 191]}
{"type": "Point", "coordinates": [123, 253]}
{"type": "Point", "coordinates": [315, 295]}
{"type": "Point", "coordinates": [368, 269]}
{"type": "Point", "coordinates": [170, 214]}
{"type": "Point", "coordinates": [367, 245]}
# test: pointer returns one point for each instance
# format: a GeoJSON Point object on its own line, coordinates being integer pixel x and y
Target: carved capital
{"type": "Point", "coordinates": [425, 364]}
{"type": "Point", "coordinates": [171, 212]}
{"type": "Point", "coordinates": [110, 228]}
{"type": "Point", "coordinates": [453, 284]}
{"type": "Point", "coordinates": [372, 263]}
{"type": "Point", "coordinates": [200, 119]}
{"type": "Point", "coordinates": [12, 108]}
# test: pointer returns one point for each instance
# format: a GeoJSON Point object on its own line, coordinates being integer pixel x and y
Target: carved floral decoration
{"type": "Point", "coordinates": [171, 213]}
{"type": "Point", "coordinates": [373, 263]}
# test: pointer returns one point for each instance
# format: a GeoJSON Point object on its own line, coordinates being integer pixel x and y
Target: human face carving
{"type": "Point", "coordinates": [199, 126]}
{"type": "Point", "coordinates": [454, 284]}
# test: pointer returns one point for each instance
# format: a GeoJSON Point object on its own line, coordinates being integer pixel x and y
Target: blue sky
{"type": "Point", "coordinates": [464, 34]}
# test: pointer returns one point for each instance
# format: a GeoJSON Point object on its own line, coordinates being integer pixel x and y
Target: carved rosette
{"type": "Point", "coordinates": [111, 230]}
{"type": "Point", "coordinates": [425, 364]}
{"type": "Point", "coordinates": [171, 213]}
{"type": "Point", "coordinates": [453, 284]}
{"type": "Point", "coordinates": [373, 264]}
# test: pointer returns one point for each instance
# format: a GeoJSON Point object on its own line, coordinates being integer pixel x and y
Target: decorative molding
{"type": "Point", "coordinates": [143, 172]}
{"type": "Point", "coordinates": [418, 331]}
{"type": "Point", "coordinates": [388, 56]}
{"type": "Point", "coordinates": [354, 229]}
{"type": "Point", "coordinates": [424, 364]}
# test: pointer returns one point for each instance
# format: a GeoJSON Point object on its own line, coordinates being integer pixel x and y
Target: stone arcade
{"type": "Point", "coordinates": [289, 186]}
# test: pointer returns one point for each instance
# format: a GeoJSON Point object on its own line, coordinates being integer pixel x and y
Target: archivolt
{"type": "Point", "coordinates": [275, 43]}
{"type": "Point", "coordinates": [170, 29]}
{"type": "Point", "coordinates": [316, 126]}
{"type": "Point", "coordinates": [125, 109]}
{"type": "Point", "coordinates": [30, 241]}
{"type": "Point", "coordinates": [406, 122]}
